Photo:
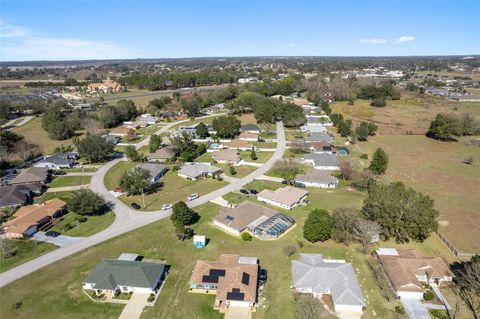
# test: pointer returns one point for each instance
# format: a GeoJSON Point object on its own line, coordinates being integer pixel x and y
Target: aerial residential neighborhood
{"type": "Point", "coordinates": [239, 160]}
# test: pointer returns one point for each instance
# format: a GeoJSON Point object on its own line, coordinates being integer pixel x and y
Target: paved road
{"type": "Point", "coordinates": [8, 126]}
{"type": "Point", "coordinates": [127, 219]}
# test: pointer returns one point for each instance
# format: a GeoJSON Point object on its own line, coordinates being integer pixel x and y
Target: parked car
{"type": "Point", "coordinates": [52, 233]}
{"type": "Point", "coordinates": [192, 196]}
{"type": "Point", "coordinates": [262, 276]}
{"type": "Point", "coordinates": [285, 182]}
{"type": "Point", "coordinates": [253, 191]}
{"type": "Point", "coordinates": [166, 206]}
{"type": "Point", "coordinates": [244, 191]}
{"type": "Point", "coordinates": [261, 140]}
{"type": "Point", "coordinates": [300, 185]}
{"type": "Point", "coordinates": [135, 206]}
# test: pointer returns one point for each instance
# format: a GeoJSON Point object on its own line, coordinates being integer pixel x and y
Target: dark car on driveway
{"type": "Point", "coordinates": [262, 276]}
{"type": "Point", "coordinates": [253, 191]}
{"type": "Point", "coordinates": [135, 206]}
{"type": "Point", "coordinates": [52, 233]}
{"type": "Point", "coordinates": [300, 185]}
{"type": "Point", "coordinates": [244, 191]}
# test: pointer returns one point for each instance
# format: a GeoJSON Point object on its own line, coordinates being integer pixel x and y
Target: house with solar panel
{"type": "Point", "coordinates": [260, 221]}
{"type": "Point", "coordinates": [125, 274]}
{"type": "Point", "coordinates": [232, 278]}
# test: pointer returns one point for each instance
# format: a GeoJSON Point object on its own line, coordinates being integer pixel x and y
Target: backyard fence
{"type": "Point", "coordinates": [460, 255]}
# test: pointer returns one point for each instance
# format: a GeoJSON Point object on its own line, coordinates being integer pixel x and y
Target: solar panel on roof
{"type": "Point", "coordinates": [245, 278]}
{"type": "Point", "coordinates": [236, 290]}
{"type": "Point", "coordinates": [210, 279]}
{"type": "Point", "coordinates": [217, 272]}
{"type": "Point", "coordinates": [235, 296]}
{"type": "Point", "coordinates": [229, 217]}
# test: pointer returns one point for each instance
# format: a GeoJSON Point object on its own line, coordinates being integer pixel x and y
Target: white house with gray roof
{"type": "Point", "coordinates": [325, 162]}
{"type": "Point", "coordinates": [315, 275]}
{"type": "Point", "coordinates": [58, 161]}
{"type": "Point", "coordinates": [317, 178]}
{"type": "Point", "coordinates": [196, 171]}
{"type": "Point", "coordinates": [111, 275]}
{"type": "Point", "coordinates": [156, 171]}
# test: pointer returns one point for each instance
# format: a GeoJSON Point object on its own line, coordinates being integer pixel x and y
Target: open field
{"type": "Point", "coordinates": [241, 170]}
{"type": "Point", "coordinates": [35, 134]}
{"type": "Point", "coordinates": [436, 168]}
{"type": "Point", "coordinates": [175, 188]}
{"type": "Point", "coordinates": [412, 113]}
{"type": "Point", "coordinates": [262, 157]}
{"type": "Point", "coordinates": [25, 250]}
{"type": "Point", "coordinates": [61, 282]}
{"type": "Point", "coordinates": [62, 181]}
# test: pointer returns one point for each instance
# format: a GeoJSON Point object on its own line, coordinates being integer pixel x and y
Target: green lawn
{"type": "Point", "coordinates": [93, 225]}
{"type": "Point", "coordinates": [63, 181]}
{"type": "Point", "coordinates": [242, 170]}
{"type": "Point", "coordinates": [149, 130]}
{"type": "Point", "coordinates": [262, 157]}
{"type": "Point", "coordinates": [25, 251]}
{"type": "Point", "coordinates": [205, 157]}
{"type": "Point", "coordinates": [175, 188]}
{"type": "Point", "coordinates": [265, 144]}
{"type": "Point", "coordinates": [86, 169]}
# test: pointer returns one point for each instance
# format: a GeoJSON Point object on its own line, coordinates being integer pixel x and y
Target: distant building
{"type": "Point", "coordinates": [16, 195]}
{"type": "Point", "coordinates": [163, 154]}
{"type": "Point", "coordinates": [248, 80]}
{"type": "Point", "coordinates": [58, 161]}
{"type": "Point", "coordinates": [105, 87]}
{"type": "Point", "coordinates": [199, 241]}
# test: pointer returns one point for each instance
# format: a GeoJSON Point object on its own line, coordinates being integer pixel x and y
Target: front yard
{"type": "Point", "coordinates": [63, 181]}
{"type": "Point", "coordinates": [25, 250]}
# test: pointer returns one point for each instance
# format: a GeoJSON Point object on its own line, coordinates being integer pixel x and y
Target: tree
{"type": "Point", "coordinates": [176, 96]}
{"type": "Point", "coordinates": [232, 170]}
{"type": "Point", "coordinates": [5, 110]}
{"type": "Point", "coordinates": [344, 128]}
{"type": "Point", "coordinates": [160, 102]}
{"type": "Point", "coordinates": [364, 130]}
{"type": "Point", "coordinates": [402, 212]}
{"type": "Point", "coordinates": [184, 146]}
{"type": "Point", "coordinates": [379, 162]}
{"type": "Point", "coordinates": [343, 224]}
{"type": "Point", "coordinates": [298, 146]}
{"type": "Point", "coordinates": [86, 202]}
{"type": "Point", "coordinates": [192, 105]}
{"type": "Point", "coordinates": [184, 214]}
{"type": "Point", "coordinates": [379, 102]}
{"type": "Point", "coordinates": [444, 128]}
{"type": "Point", "coordinates": [467, 284]}
{"type": "Point", "coordinates": [202, 130]}
{"type": "Point", "coordinates": [182, 232]}
{"type": "Point", "coordinates": [346, 170]}
{"type": "Point", "coordinates": [286, 168]}
{"type": "Point", "coordinates": [226, 126]}
{"type": "Point", "coordinates": [309, 307]}
{"type": "Point", "coordinates": [133, 155]}
{"type": "Point", "coordinates": [246, 236]}
{"type": "Point", "coordinates": [95, 148]}
{"type": "Point", "coordinates": [365, 232]}
{"type": "Point", "coordinates": [136, 181]}
{"type": "Point", "coordinates": [154, 143]}
{"type": "Point", "coordinates": [253, 154]}
{"type": "Point", "coordinates": [318, 226]}
{"type": "Point", "coordinates": [468, 124]}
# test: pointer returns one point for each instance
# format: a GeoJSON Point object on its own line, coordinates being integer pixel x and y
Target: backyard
{"type": "Point", "coordinates": [63, 181]}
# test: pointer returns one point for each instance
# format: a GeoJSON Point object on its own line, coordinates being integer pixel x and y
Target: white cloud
{"type": "Point", "coordinates": [291, 45]}
{"type": "Point", "coordinates": [22, 44]}
{"type": "Point", "coordinates": [405, 38]}
{"type": "Point", "coordinates": [373, 41]}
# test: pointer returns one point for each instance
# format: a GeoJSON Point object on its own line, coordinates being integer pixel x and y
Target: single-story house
{"type": "Point", "coordinates": [105, 87]}
{"type": "Point", "coordinates": [156, 170]}
{"type": "Point", "coordinates": [262, 222]}
{"type": "Point", "coordinates": [226, 156]}
{"type": "Point", "coordinates": [163, 154]}
{"type": "Point", "coordinates": [148, 119]}
{"type": "Point", "coordinates": [327, 162]}
{"type": "Point", "coordinates": [252, 128]}
{"type": "Point", "coordinates": [313, 128]}
{"type": "Point", "coordinates": [15, 195]}
{"type": "Point", "coordinates": [321, 148]}
{"type": "Point", "coordinates": [407, 270]}
{"type": "Point", "coordinates": [112, 139]}
{"type": "Point", "coordinates": [314, 121]}
{"type": "Point", "coordinates": [112, 275]}
{"type": "Point", "coordinates": [32, 175]}
{"type": "Point", "coordinates": [58, 161]}
{"type": "Point", "coordinates": [135, 124]}
{"type": "Point", "coordinates": [240, 145]}
{"type": "Point", "coordinates": [286, 197]}
{"type": "Point", "coordinates": [27, 220]}
{"type": "Point", "coordinates": [123, 131]}
{"type": "Point", "coordinates": [233, 279]}
{"type": "Point", "coordinates": [317, 178]}
{"type": "Point", "coordinates": [196, 171]}
{"type": "Point", "coordinates": [248, 136]}
{"type": "Point", "coordinates": [332, 280]}
{"type": "Point", "coordinates": [319, 137]}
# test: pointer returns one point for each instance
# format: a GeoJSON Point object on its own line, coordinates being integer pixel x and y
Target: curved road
{"type": "Point", "coordinates": [128, 219]}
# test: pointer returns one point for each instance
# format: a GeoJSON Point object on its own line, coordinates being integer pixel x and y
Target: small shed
{"type": "Point", "coordinates": [199, 241]}
{"type": "Point", "coordinates": [128, 257]}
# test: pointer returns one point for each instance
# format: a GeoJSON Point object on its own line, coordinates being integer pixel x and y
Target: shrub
{"type": "Point", "coordinates": [300, 243]}
{"type": "Point", "coordinates": [246, 236]}
{"type": "Point", "coordinates": [428, 295]}
{"type": "Point", "coordinates": [289, 250]}
{"type": "Point", "coordinates": [318, 226]}
{"type": "Point", "coordinates": [379, 102]}
{"type": "Point", "coordinates": [17, 305]}
{"type": "Point", "coordinates": [151, 298]}
{"type": "Point", "coordinates": [184, 214]}
{"type": "Point", "coordinates": [364, 156]}
{"type": "Point", "coordinates": [439, 314]}
{"type": "Point", "coordinates": [232, 170]}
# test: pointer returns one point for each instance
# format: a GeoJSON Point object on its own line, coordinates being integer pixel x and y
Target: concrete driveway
{"type": "Point", "coordinates": [134, 307]}
{"type": "Point", "coordinates": [415, 309]}
{"type": "Point", "coordinates": [238, 313]}
{"type": "Point", "coordinates": [60, 240]}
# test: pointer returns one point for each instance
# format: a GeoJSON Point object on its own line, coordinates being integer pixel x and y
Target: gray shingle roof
{"type": "Point", "coordinates": [249, 127]}
{"type": "Point", "coordinates": [194, 170]}
{"type": "Point", "coordinates": [153, 169]}
{"type": "Point", "coordinates": [60, 159]}
{"type": "Point", "coordinates": [312, 272]}
{"type": "Point", "coordinates": [316, 176]}
{"type": "Point", "coordinates": [319, 137]}
{"type": "Point", "coordinates": [322, 159]}
{"type": "Point", "coordinates": [110, 273]}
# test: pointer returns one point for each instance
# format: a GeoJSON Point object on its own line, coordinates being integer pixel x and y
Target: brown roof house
{"type": "Point", "coordinates": [105, 87]}
{"type": "Point", "coordinates": [226, 156]}
{"type": "Point", "coordinates": [163, 154]}
{"type": "Point", "coordinates": [408, 270]}
{"type": "Point", "coordinates": [123, 131]}
{"type": "Point", "coordinates": [31, 175]}
{"type": "Point", "coordinates": [240, 145]}
{"type": "Point", "coordinates": [248, 136]}
{"type": "Point", "coordinates": [233, 279]}
{"type": "Point", "coordinates": [29, 219]}
{"type": "Point", "coordinates": [286, 197]}
{"type": "Point", "coordinates": [262, 222]}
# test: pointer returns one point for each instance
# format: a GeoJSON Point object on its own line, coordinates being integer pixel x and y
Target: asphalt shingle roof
{"type": "Point", "coordinates": [322, 159]}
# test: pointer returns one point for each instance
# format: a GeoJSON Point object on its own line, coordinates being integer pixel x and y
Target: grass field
{"type": "Point", "coordinates": [93, 225]}
{"type": "Point", "coordinates": [61, 282]}
{"type": "Point", "coordinates": [205, 157]}
{"type": "Point", "coordinates": [175, 188]}
{"type": "Point", "coordinates": [62, 181]}
{"type": "Point", "coordinates": [262, 157]}
{"type": "Point", "coordinates": [35, 134]}
{"type": "Point", "coordinates": [241, 171]}
{"type": "Point", "coordinates": [25, 250]}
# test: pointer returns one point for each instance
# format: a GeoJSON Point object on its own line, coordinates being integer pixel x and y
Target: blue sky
{"type": "Point", "coordinates": [63, 30]}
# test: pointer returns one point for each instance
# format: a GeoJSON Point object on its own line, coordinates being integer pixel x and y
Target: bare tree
{"type": "Point", "coordinates": [298, 146]}
{"type": "Point", "coordinates": [308, 307]}
{"type": "Point", "coordinates": [6, 249]}
{"type": "Point", "coordinates": [91, 125]}
{"type": "Point", "coordinates": [346, 170]}
{"type": "Point", "coordinates": [365, 231]}
{"type": "Point", "coordinates": [24, 150]}
{"type": "Point", "coordinates": [289, 250]}
{"type": "Point", "coordinates": [467, 280]}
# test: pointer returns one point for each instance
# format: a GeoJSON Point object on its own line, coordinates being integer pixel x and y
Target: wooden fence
{"type": "Point", "coordinates": [460, 255]}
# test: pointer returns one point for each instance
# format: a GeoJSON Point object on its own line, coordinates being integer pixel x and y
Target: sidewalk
{"type": "Point", "coordinates": [67, 188]}
{"type": "Point", "coordinates": [270, 178]}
